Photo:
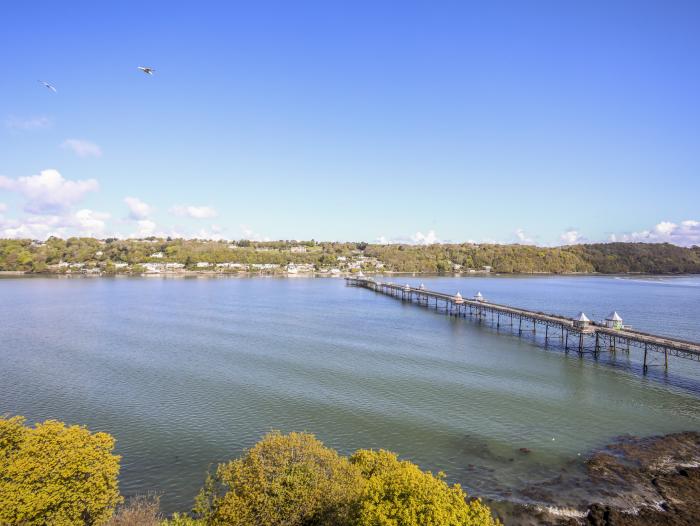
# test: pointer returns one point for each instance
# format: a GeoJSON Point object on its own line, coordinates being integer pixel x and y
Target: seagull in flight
{"type": "Point", "coordinates": [47, 85]}
{"type": "Point", "coordinates": [146, 70]}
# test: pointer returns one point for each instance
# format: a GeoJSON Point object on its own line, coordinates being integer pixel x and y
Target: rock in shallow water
{"type": "Point", "coordinates": [635, 481]}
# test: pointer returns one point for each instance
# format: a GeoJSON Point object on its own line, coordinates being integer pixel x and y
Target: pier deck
{"type": "Point", "coordinates": [590, 337]}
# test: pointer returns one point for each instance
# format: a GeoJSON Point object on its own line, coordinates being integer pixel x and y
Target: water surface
{"type": "Point", "coordinates": [189, 372]}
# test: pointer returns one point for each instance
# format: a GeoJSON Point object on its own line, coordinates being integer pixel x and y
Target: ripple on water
{"type": "Point", "coordinates": [188, 373]}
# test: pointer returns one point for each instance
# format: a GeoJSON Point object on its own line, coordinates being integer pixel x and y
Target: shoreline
{"type": "Point", "coordinates": [633, 481]}
{"type": "Point", "coordinates": [206, 273]}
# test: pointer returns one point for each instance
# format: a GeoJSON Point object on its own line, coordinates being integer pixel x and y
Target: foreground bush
{"type": "Point", "coordinates": [398, 493]}
{"type": "Point", "coordinates": [291, 480]}
{"type": "Point", "coordinates": [143, 510]}
{"type": "Point", "coordinates": [294, 480]}
{"type": "Point", "coordinates": [56, 474]}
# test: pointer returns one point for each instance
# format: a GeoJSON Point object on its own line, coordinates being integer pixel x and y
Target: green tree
{"type": "Point", "coordinates": [398, 493]}
{"type": "Point", "coordinates": [290, 480]}
{"type": "Point", "coordinates": [56, 474]}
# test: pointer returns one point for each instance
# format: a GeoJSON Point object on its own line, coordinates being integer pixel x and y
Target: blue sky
{"type": "Point", "coordinates": [540, 121]}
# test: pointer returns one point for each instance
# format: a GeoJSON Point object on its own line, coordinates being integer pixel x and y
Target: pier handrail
{"type": "Point", "coordinates": [682, 348]}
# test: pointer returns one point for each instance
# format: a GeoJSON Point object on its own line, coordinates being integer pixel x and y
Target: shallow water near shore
{"type": "Point", "coordinates": [186, 373]}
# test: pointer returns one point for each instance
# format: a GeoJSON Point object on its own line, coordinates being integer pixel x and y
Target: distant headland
{"type": "Point", "coordinates": [154, 255]}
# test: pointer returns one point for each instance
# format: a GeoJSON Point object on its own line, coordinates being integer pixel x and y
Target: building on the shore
{"type": "Point", "coordinates": [157, 255]}
{"type": "Point", "coordinates": [153, 268]}
{"type": "Point", "coordinates": [236, 266]}
{"type": "Point", "coordinates": [203, 264]}
{"type": "Point", "coordinates": [614, 320]}
{"type": "Point", "coordinates": [581, 321]}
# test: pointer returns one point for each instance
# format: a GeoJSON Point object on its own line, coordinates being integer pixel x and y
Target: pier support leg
{"type": "Point", "coordinates": [546, 335]}
{"type": "Point", "coordinates": [520, 326]}
{"type": "Point", "coordinates": [566, 345]}
{"type": "Point", "coordinates": [498, 321]}
{"type": "Point", "coordinates": [666, 359]}
{"type": "Point", "coordinates": [597, 344]}
{"type": "Point", "coordinates": [580, 342]}
{"type": "Point", "coordinates": [645, 367]}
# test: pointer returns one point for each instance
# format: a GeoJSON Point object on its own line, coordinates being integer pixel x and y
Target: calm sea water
{"type": "Point", "coordinates": [186, 373]}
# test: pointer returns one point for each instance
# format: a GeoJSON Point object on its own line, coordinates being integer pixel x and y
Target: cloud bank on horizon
{"type": "Point", "coordinates": [52, 206]}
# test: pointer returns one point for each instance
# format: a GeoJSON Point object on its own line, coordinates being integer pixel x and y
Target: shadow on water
{"type": "Point", "coordinates": [622, 360]}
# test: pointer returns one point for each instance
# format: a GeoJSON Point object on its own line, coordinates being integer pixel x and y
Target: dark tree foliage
{"type": "Point", "coordinates": [607, 258]}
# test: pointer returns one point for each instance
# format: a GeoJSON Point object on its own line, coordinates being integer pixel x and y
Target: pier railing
{"type": "Point", "coordinates": [580, 336]}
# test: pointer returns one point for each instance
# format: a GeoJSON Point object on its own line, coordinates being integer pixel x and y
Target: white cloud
{"type": "Point", "coordinates": [90, 223]}
{"type": "Point", "coordinates": [82, 148]}
{"type": "Point", "coordinates": [419, 238]}
{"type": "Point", "coordinates": [214, 233]}
{"type": "Point", "coordinates": [26, 124]}
{"type": "Point", "coordinates": [572, 237]}
{"type": "Point", "coordinates": [425, 239]}
{"type": "Point", "coordinates": [84, 222]}
{"type": "Point", "coordinates": [195, 212]}
{"type": "Point", "coordinates": [522, 237]}
{"type": "Point", "coordinates": [250, 235]}
{"type": "Point", "coordinates": [685, 234]}
{"type": "Point", "coordinates": [137, 208]}
{"type": "Point", "coordinates": [145, 228]}
{"type": "Point", "coordinates": [49, 192]}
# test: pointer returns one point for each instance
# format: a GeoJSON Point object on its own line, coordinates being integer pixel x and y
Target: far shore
{"type": "Point", "coordinates": [282, 274]}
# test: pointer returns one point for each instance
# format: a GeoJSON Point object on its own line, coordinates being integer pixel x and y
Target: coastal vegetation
{"type": "Point", "coordinates": [56, 474]}
{"type": "Point", "coordinates": [89, 255]}
{"type": "Point", "coordinates": [65, 475]}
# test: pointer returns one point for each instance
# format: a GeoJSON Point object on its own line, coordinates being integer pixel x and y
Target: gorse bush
{"type": "Point", "coordinates": [398, 493]}
{"type": "Point", "coordinates": [294, 480]}
{"type": "Point", "coordinates": [290, 480]}
{"type": "Point", "coordinates": [58, 475]}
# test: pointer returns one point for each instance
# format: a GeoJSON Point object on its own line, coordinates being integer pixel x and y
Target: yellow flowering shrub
{"type": "Point", "coordinates": [398, 493]}
{"type": "Point", "coordinates": [58, 475]}
{"type": "Point", "coordinates": [290, 480]}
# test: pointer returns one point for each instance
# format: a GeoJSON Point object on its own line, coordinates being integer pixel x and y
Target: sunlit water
{"type": "Point", "coordinates": [189, 372]}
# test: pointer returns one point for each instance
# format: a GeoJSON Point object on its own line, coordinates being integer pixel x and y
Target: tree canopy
{"type": "Point", "coordinates": [294, 480]}
{"type": "Point", "coordinates": [56, 474]}
{"type": "Point", "coordinates": [660, 258]}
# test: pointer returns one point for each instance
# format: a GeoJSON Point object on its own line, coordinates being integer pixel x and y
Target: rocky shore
{"type": "Point", "coordinates": [634, 481]}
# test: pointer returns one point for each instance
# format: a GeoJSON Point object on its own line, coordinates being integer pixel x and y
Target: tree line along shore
{"type": "Point", "coordinates": [155, 255]}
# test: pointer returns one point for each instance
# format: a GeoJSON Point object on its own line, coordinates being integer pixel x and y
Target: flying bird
{"type": "Point", "coordinates": [47, 85]}
{"type": "Point", "coordinates": [147, 71]}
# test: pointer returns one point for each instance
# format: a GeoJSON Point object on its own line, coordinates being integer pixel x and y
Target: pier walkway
{"type": "Point", "coordinates": [580, 334]}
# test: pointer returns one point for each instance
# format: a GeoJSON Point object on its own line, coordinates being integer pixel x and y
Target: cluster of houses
{"type": "Point", "coordinates": [486, 269]}
{"type": "Point", "coordinates": [356, 262]}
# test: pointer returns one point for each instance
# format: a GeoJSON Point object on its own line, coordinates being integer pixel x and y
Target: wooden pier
{"type": "Point", "coordinates": [580, 335]}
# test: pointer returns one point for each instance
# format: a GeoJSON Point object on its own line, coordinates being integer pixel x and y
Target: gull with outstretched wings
{"type": "Point", "coordinates": [47, 85]}
{"type": "Point", "coordinates": [146, 70]}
